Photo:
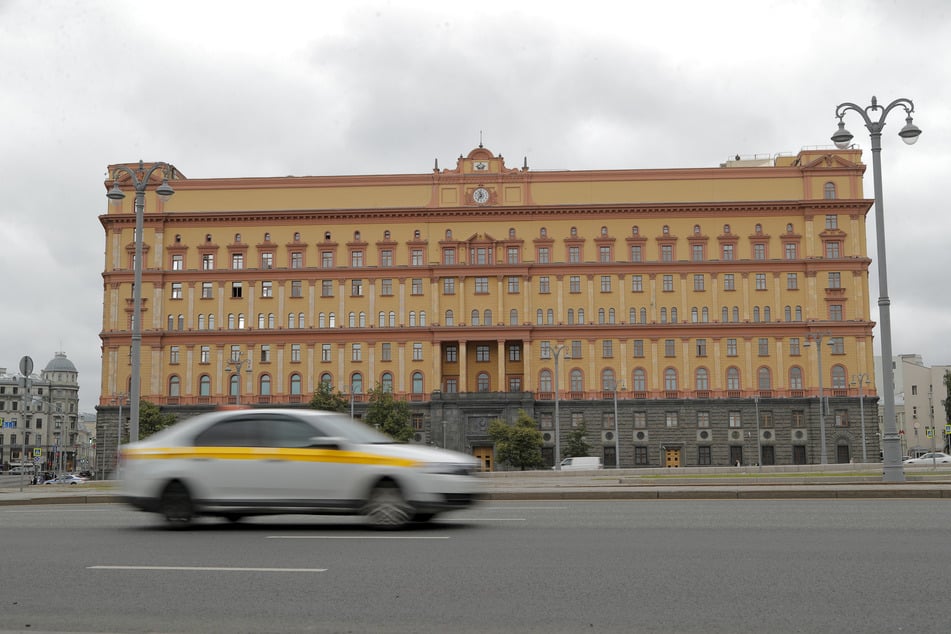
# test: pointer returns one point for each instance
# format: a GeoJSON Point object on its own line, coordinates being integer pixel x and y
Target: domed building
{"type": "Point", "coordinates": [45, 417]}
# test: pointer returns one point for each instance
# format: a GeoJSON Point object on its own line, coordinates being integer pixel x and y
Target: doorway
{"type": "Point", "coordinates": [671, 457]}
{"type": "Point", "coordinates": [484, 454]}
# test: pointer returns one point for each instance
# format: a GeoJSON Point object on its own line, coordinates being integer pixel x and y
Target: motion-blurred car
{"type": "Point", "coordinates": [66, 479]}
{"type": "Point", "coordinates": [239, 463]}
{"type": "Point", "coordinates": [930, 458]}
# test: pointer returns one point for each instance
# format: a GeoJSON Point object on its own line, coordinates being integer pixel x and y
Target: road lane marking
{"type": "Point", "coordinates": [207, 568]}
{"type": "Point", "coordinates": [356, 537]}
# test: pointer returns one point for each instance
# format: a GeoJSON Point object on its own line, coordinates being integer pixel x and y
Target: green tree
{"type": "Point", "coordinates": [390, 416]}
{"type": "Point", "coordinates": [329, 400]}
{"type": "Point", "coordinates": [576, 443]}
{"type": "Point", "coordinates": [151, 419]}
{"type": "Point", "coordinates": [519, 445]}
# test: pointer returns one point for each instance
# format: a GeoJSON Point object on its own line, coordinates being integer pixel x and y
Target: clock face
{"type": "Point", "coordinates": [481, 195]}
{"type": "Point", "coordinates": [481, 166]}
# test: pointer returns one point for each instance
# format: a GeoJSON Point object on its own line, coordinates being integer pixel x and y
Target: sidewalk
{"type": "Point", "coordinates": [834, 481]}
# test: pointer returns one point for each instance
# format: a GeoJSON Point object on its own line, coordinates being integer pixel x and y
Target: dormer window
{"type": "Point", "coordinates": [297, 236]}
{"type": "Point", "coordinates": [543, 232]}
{"type": "Point", "coordinates": [574, 232]}
{"type": "Point", "coordinates": [327, 236]}
{"type": "Point", "coordinates": [635, 231]}
{"type": "Point", "coordinates": [267, 237]}
{"type": "Point", "coordinates": [666, 230]}
{"type": "Point", "coordinates": [696, 230]}
{"type": "Point", "coordinates": [178, 238]}
{"type": "Point", "coordinates": [417, 235]}
{"type": "Point", "coordinates": [448, 234]}
{"type": "Point", "coordinates": [726, 228]}
{"type": "Point", "coordinates": [758, 229]}
{"type": "Point", "coordinates": [207, 237]}
{"type": "Point", "coordinates": [356, 236]}
{"type": "Point", "coordinates": [386, 234]}
{"type": "Point", "coordinates": [237, 237]}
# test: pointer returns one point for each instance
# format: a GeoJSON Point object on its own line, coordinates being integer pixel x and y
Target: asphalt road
{"type": "Point", "coordinates": [525, 566]}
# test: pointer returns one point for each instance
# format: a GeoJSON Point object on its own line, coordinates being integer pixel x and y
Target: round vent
{"type": "Point", "coordinates": [798, 434]}
{"type": "Point", "coordinates": [767, 435]}
{"type": "Point", "coordinates": [704, 435]}
{"type": "Point", "coordinates": [640, 435]}
{"type": "Point", "coordinates": [609, 435]}
{"type": "Point", "coordinates": [547, 436]}
{"type": "Point", "coordinates": [418, 437]}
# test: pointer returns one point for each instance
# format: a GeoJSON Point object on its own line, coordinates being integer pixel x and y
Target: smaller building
{"type": "Point", "coordinates": [41, 418]}
{"type": "Point", "coordinates": [920, 393]}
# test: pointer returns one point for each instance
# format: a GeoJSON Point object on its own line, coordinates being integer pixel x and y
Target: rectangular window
{"type": "Point", "coordinates": [207, 290]}
{"type": "Point", "coordinates": [636, 253]}
{"type": "Point", "coordinates": [544, 255]}
{"type": "Point", "coordinates": [728, 252]}
{"type": "Point", "coordinates": [543, 284]}
{"type": "Point", "coordinates": [297, 288]}
{"type": "Point", "coordinates": [761, 281]}
{"type": "Point", "coordinates": [666, 253]}
{"type": "Point", "coordinates": [833, 250]}
{"type": "Point", "coordinates": [637, 283]}
{"type": "Point", "coordinates": [837, 346]}
{"type": "Point", "coordinates": [326, 288]}
{"type": "Point", "coordinates": [356, 259]}
{"type": "Point", "coordinates": [265, 353]}
{"type": "Point", "coordinates": [449, 256]}
{"type": "Point", "coordinates": [731, 347]}
{"type": "Point", "coordinates": [386, 287]}
{"type": "Point", "coordinates": [513, 284]}
{"type": "Point", "coordinates": [204, 354]}
{"type": "Point", "coordinates": [515, 352]}
{"type": "Point", "coordinates": [671, 419]}
{"type": "Point", "coordinates": [386, 352]}
{"type": "Point", "coordinates": [544, 351]}
{"type": "Point", "coordinates": [482, 286]}
{"type": "Point", "coordinates": [729, 282]}
{"type": "Point", "coordinates": [841, 418]}
{"type": "Point", "coordinates": [386, 258]}
{"type": "Point", "coordinates": [832, 221]}
{"type": "Point", "coordinates": [448, 286]}
{"type": "Point", "coordinates": [178, 262]}
{"type": "Point", "coordinates": [604, 254]}
{"type": "Point", "coordinates": [576, 350]}
{"type": "Point", "coordinates": [759, 251]}
{"type": "Point", "coordinates": [416, 257]}
{"type": "Point", "coordinates": [704, 457]}
{"type": "Point", "coordinates": [176, 290]}
{"type": "Point", "coordinates": [479, 255]}
{"type": "Point", "coordinates": [515, 384]}
{"type": "Point", "coordinates": [703, 419]}
{"type": "Point", "coordinates": [698, 282]}
{"type": "Point", "coordinates": [835, 312]}
{"type": "Point", "coordinates": [605, 283]}
{"type": "Point", "coordinates": [668, 283]}
{"type": "Point", "coordinates": [356, 352]}
{"type": "Point", "coordinates": [792, 281]}
{"type": "Point", "coordinates": [794, 349]}
{"type": "Point", "coordinates": [640, 455]}
{"type": "Point", "coordinates": [173, 354]}
{"type": "Point", "coordinates": [236, 291]}
{"type": "Point", "coordinates": [267, 260]}
{"type": "Point", "coordinates": [574, 284]}
{"type": "Point", "coordinates": [640, 420]}
{"type": "Point", "coordinates": [511, 255]}
{"type": "Point", "coordinates": [452, 385]}
{"type": "Point", "coordinates": [577, 419]}
{"type": "Point", "coordinates": [297, 260]}
{"type": "Point", "coordinates": [356, 288]}
{"type": "Point", "coordinates": [452, 354]}
{"type": "Point", "coordinates": [416, 286]}
{"type": "Point", "coordinates": [327, 259]}
{"type": "Point", "coordinates": [638, 347]}
{"type": "Point", "coordinates": [607, 349]}
{"type": "Point", "coordinates": [417, 352]}
{"type": "Point", "coordinates": [791, 250]}
{"type": "Point", "coordinates": [701, 347]}
{"type": "Point", "coordinates": [670, 347]}
{"type": "Point", "coordinates": [482, 353]}
{"type": "Point", "coordinates": [295, 353]}
{"type": "Point", "coordinates": [325, 352]}
{"type": "Point", "coordinates": [696, 253]}
{"type": "Point", "coordinates": [835, 279]}
{"type": "Point", "coordinates": [574, 255]}
{"type": "Point", "coordinates": [735, 419]}
{"type": "Point", "coordinates": [267, 289]}
{"type": "Point", "coordinates": [763, 346]}
{"type": "Point", "coordinates": [208, 261]}
{"type": "Point", "coordinates": [237, 261]}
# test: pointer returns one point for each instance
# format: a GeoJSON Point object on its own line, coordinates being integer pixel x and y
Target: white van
{"type": "Point", "coordinates": [579, 463]}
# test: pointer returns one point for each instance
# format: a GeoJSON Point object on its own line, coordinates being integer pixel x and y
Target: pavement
{"type": "Point", "coordinates": [788, 482]}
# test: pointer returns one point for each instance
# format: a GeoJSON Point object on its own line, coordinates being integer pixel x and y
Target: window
{"type": "Point", "coordinates": [728, 252]}
{"type": "Point", "coordinates": [607, 349]}
{"type": "Point", "coordinates": [386, 352]}
{"type": "Point", "coordinates": [670, 347]}
{"type": "Point", "coordinates": [736, 420]}
{"type": "Point", "coordinates": [637, 283]}
{"type": "Point", "coordinates": [702, 379]}
{"type": "Point", "coordinates": [605, 283]}
{"type": "Point", "coordinates": [356, 259]}
{"type": "Point", "coordinates": [828, 191]}
{"type": "Point", "coordinates": [696, 253]}
{"type": "Point", "coordinates": [543, 284]}
{"type": "Point", "coordinates": [544, 351]}
{"type": "Point", "coordinates": [763, 346]}
{"type": "Point", "coordinates": [482, 382]}
{"type": "Point", "coordinates": [640, 455]}
{"type": "Point", "coordinates": [704, 457]}
{"type": "Point", "coordinates": [482, 285]}
{"type": "Point", "coordinates": [701, 347]}
{"type": "Point", "coordinates": [670, 380]}
{"type": "Point", "coordinates": [356, 352]}
{"type": "Point", "coordinates": [832, 220]}
{"type": "Point", "coordinates": [386, 287]}
{"type": "Point", "coordinates": [449, 286]}
{"type": "Point", "coordinates": [386, 382]}
{"type": "Point", "coordinates": [838, 377]}
{"type": "Point", "coordinates": [178, 262]}
{"type": "Point", "coordinates": [297, 260]}
{"type": "Point", "coordinates": [265, 353]}
{"type": "Point", "coordinates": [325, 352]}
{"type": "Point", "coordinates": [574, 284]}
{"type": "Point", "coordinates": [791, 250]}
{"type": "Point", "coordinates": [482, 353]}
{"type": "Point", "coordinates": [267, 260]}
{"type": "Point", "coordinates": [576, 350]}
{"type": "Point", "coordinates": [835, 312]}
{"type": "Point", "coordinates": [515, 352]}
{"type": "Point", "coordinates": [638, 347]}
{"type": "Point", "coordinates": [732, 379]}
{"type": "Point", "coordinates": [795, 378]}
{"type": "Point", "coordinates": [792, 281]}
{"type": "Point", "coordinates": [833, 249]}
{"type": "Point", "coordinates": [761, 281]}
{"type": "Point", "coordinates": [703, 419]}
{"type": "Point", "coordinates": [327, 259]}
{"type": "Point", "coordinates": [729, 282]}
{"type": "Point", "coordinates": [835, 279]}
{"type": "Point", "coordinates": [297, 288]}
{"type": "Point", "coordinates": [671, 419]}
{"type": "Point", "coordinates": [511, 255]}
{"type": "Point", "coordinates": [207, 290]}
{"type": "Point", "coordinates": [173, 354]}
{"type": "Point", "coordinates": [417, 352]}
{"type": "Point", "coordinates": [576, 382]}
{"type": "Point", "coordinates": [544, 255]}
{"type": "Point", "coordinates": [698, 282]}
{"type": "Point", "coordinates": [731, 347]}
{"type": "Point", "coordinates": [513, 284]}
{"type": "Point", "coordinates": [837, 346]}
{"type": "Point", "coordinates": [636, 253]}
{"type": "Point", "coordinates": [176, 290]}
{"type": "Point", "coordinates": [295, 353]}
{"type": "Point", "coordinates": [267, 289]}
{"type": "Point", "coordinates": [574, 255]}
{"type": "Point", "coordinates": [204, 354]}
{"type": "Point", "coordinates": [237, 261]}
{"type": "Point", "coordinates": [416, 257]}
{"type": "Point", "coordinates": [668, 283]}
{"type": "Point", "coordinates": [515, 384]}
{"type": "Point", "coordinates": [449, 256]}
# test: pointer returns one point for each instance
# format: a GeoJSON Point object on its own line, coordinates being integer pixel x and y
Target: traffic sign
{"type": "Point", "coordinates": [947, 430]}
{"type": "Point", "coordinates": [37, 452]}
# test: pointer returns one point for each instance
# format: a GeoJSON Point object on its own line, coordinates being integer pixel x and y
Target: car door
{"type": "Point", "coordinates": [224, 464]}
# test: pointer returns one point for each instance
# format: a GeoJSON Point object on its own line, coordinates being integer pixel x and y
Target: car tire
{"type": "Point", "coordinates": [176, 504]}
{"type": "Point", "coordinates": [386, 509]}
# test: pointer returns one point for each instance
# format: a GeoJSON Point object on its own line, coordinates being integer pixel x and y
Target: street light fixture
{"type": "Point", "coordinates": [759, 437]}
{"type": "Point", "coordinates": [893, 471]}
{"type": "Point", "coordinates": [558, 350]}
{"type": "Point", "coordinates": [817, 337]}
{"type": "Point", "coordinates": [617, 437]}
{"type": "Point", "coordinates": [235, 366]}
{"type": "Point", "coordinates": [140, 180]}
{"type": "Point", "coordinates": [862, 380]}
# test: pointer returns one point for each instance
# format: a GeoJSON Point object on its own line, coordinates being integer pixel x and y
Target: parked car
{"type": "Point", "coordinates": [930, 458]}
{"type": "Point", "coordinates": [239, 463]}
{"type": "Point", "coordinates": [580, 463]}
{"type": "Point", "coordinates": [66, 479]}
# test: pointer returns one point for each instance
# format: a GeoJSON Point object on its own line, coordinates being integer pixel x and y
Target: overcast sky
{"type": "Point", "coordinates": [235, 89]}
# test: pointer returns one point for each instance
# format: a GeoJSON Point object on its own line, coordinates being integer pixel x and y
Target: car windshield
{"type": "Point", "coordinates": [352, 430]}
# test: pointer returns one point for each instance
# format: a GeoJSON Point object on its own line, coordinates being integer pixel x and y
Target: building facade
{"type": "Point", "coordinates": [688, 301]}
{"type": "Point", "coordinates": [41, 420]}
{"type": "Point", "coordinates": [920, 394]}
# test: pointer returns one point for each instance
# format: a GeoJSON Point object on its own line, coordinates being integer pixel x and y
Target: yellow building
{"type": "Point", "coordinates": [696, 292]}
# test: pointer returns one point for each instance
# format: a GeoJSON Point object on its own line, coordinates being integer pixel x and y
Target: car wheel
{"type": "Point", "coordinates": [386, 508]}
{"type": "Point", "coordinates": [176, 504]}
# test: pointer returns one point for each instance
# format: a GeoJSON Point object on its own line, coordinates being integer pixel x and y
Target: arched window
{"type": "Point", "coordinates": [487, 317]}
{"type": "Point", "coordinates": [673, 315]}
{"type": "Point", "coordinates": [174, 386]}
{"type": "Point", "coordinates": [211, 321]}
{"type": "Point", "coordinates": [539, 317]}
{"type": "Point", "coordinates": [670, 380]}
{"type": "Point", "coordinates": [265, 385]}
{"type": "Point", "coordinates": [295, 383]}
{"type": "Point", "coordinates": [550, 316]}
{"type": "Point", "coordinates": [392, 323]}
{"type": "Point", "coordinates": [332, 320]}
{"type": "Point", "coordinates": [326, 379]}
{"type": "Point", "coordinates": [576, 381]}
{"type": "Point", "coordinates": [798, 313]}
{"type": "Point", "coordinates": [725, 315]}
{"type": "Point", "coordinates": [608, 383]}
{"type": "Point", "coordinates": [601, 316]}
{"type": "Point", "coordinates": [663, 315]}
{"type": "Point", "coordinates": [321, 320]}
{"type": "Point", "coordinates": [632, 315]}
{"type": "Point", "coordinates": [356, 383]}
{"type": "Point", "coordinates": [201, 322]}
{"type": "Point", "coordinates": [581, 316]}
{"type": "Point", "coordinates": [482, 382]}
{"type": "Point", "coordinates": [270, 321]}
{"type": "Point", "coordinates": [838, 377]}
{"type": "Point", "coordinates": [422, 318]}
{"type": "Point", "coordinates": [766, 314]}
{"type": "Point", "coordinates": [544, 381]}
{"type": "Point", "coordinates": [292, 320]}
{"type": "Point", "coordinates": [755, 313]}
{"type": "Point", "coordinates": [234, 384]}
{"type": "Point", "coordinates": [643, 315]}
{"type": "Point", "coordinates": [705, 315]}
{"type": "Point", "coordinates": [261, 322]}
{"type": "Point", "coordinates": [241, 325]}
{"type": "Point", "coordinates": [204, 385]}
{"type": "Point", "coordinates": [702, 379]}
{"type": "Point", "coordinates": [640, 380]}
{"type": "Point", "coordinates": [181, 322]}
{"type": "Point", "coordinates": [732, 378]}
{"type": "Point", "coordinates": [787, 313]}
{"type": "Point", "coordinates": [474, 317]}
{"type": "Point", "coordinates": [795, 378]}
{"type": "Point", "coordinates": [386, 382]}
{"type": "Point", "coordinates": [417, 382]}
{"type": "Point", "coordinates": [610, 315]}
{"type": "Point", "coordinates": [736, 313]}
{"type": "Point", "coordinates": [694, 315]}
{"type": "Point", "coordinates": [828, 191]}
{"type": "Point", "coordinates": [412, 318]}
{"type": "Point", "coordinates": [300, 320]}
{"type": "Point", "coordinates": [381, 320]}
{"type": "Point", "coordinates": [764, 379]}
{"type": "Point", "coordinates": [450, 319]}
{"type": "Point", "coordinates": [352, 319]}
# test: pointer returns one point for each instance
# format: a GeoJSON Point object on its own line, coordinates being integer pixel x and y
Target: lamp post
{"type": "Point", "coordinates": [558, 350]}
{"type": "Point", "coordinates": [862, 380]}
{"type": "Point", "coordinates": [759, 438]}
{"type": "Point", "coordinates": [140, 180]}
{"type": "Point", "coordinates": [119, 398]}
{"type": "Point", "coordinates": [617, 438]}
{"type": "Point", "coordinates": [823, 458]}
{"type": "Point", "coordinates": [894, 471]}
{"type": "Point", "coordinates": [235, 366]}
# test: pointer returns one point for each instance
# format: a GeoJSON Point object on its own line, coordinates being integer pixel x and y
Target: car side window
{"type": "Point", "coordinates": [288, 432]}
{"type": "Point", "coordinates": [242, 432]}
